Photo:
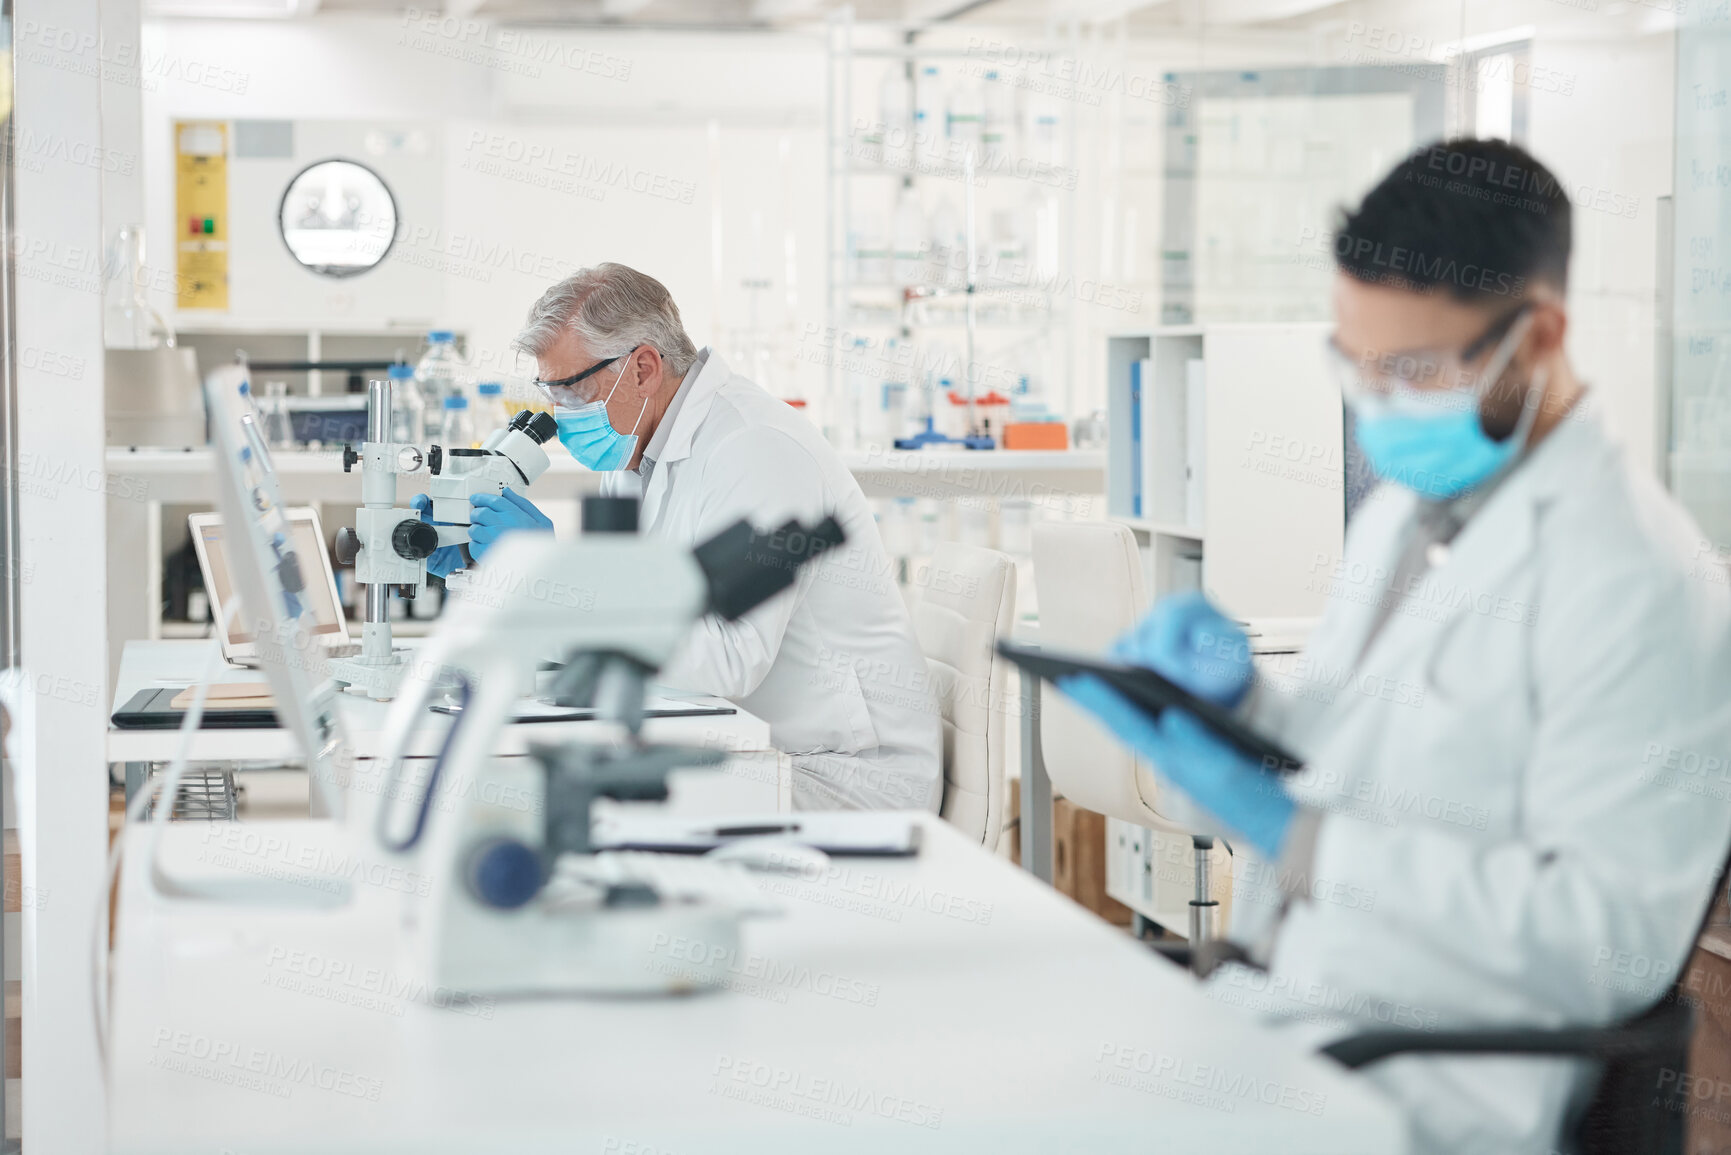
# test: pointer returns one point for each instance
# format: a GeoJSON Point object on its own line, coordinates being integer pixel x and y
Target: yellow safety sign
{"type": "Point", "coordinates": [201, 211]}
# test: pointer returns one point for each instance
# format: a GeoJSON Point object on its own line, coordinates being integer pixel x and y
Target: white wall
{"type": "Point", "coordinates": [633, 154]}
{"type": "Point", "coordinates": [1609, 139]}
{"type": "Point", "coordinates": [62, 512]}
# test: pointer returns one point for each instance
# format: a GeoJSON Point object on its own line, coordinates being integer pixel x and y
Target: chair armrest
{"type": "Point", "coordinates": [1203, 959]}
{"type": "Point", "coordinates": [1666, 1025]}
{"type": "Point", "coordinates": [1175, 952]}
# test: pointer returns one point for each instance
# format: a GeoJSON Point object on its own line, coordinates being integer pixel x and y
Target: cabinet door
{"type": "Point", "coordinates": [1275, 501]}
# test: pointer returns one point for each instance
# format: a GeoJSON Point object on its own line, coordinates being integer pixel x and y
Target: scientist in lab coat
{"type": "Point", "coordinates": [832, 664]}
{"type": "Point", "coordinates": [1508, 710]}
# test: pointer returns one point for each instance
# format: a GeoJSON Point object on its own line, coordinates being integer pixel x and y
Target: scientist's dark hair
{"type": "Point", "coordinates": [1476, 219]}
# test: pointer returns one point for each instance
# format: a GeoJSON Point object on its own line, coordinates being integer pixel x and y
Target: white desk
{"type": "Point", "coordinates": [142, 481]}
{"type": "Point", "coordinates": [952, 990]}
{"type": "Point", "coordinates": [152, 665]}
{"type": "Point", "coordinates": [1038, 475]}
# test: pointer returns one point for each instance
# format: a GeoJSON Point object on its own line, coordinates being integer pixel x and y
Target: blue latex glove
{"type": "Point", "coordinates": [1232, 787]}
{"type": "Point", "coordinates": [447, 559]}
{"type": "Point", "coordinates": [1193, 644]}
{"type": "Point", "coordinates": [490, 516]}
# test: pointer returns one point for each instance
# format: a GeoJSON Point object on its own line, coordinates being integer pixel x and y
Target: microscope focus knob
{"type": "Point", "coordinates": [347, 546]}
{"type": "Point", "coordinates": [414, 539]}
{"type": "Point", "coordinates": [503, 873]}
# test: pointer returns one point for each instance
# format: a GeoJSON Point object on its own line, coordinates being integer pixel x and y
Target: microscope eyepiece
{"type": "Point", "coordinates": [541, 427]}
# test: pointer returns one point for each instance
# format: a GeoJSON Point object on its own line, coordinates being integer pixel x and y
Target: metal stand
{"type": "Point", "coordinates": [1036, 788]}
{"type": "Point", "coordinates": [379, 669]}
{"type": "Point", "coordinates": [1202, 903]}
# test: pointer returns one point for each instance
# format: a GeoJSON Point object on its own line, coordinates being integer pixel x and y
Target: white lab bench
{"type": "Point", "coordinates": [141, 481]}
{"type": "Point", "coordinates": [154, 665]}
{"type": "Point", "coordinates": [173, 475]}
{"type": "Point", "coordinates": [948, 1003]}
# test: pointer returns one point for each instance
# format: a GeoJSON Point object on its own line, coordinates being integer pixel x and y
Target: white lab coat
{"type": "Point", "coordinates": [832, 664]}
{"type": "Point", "coordinates": [1524, 785]}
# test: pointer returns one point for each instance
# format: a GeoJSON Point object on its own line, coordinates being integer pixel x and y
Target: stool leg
{"type": "Point", "coordinates": [1202, 904]}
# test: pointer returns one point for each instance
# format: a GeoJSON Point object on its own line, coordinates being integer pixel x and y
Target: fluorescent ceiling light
{"type": "Point", "coordinates": [1261, 11]}
{"type": "Point", "coordinates": [232, 9]}
{"type": "Point", "coordinates": [1102, 11]}
{"type": "Point", "coordinates": [1446, 50]}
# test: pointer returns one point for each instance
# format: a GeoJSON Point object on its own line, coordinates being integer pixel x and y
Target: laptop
{"type": "Point", "coordinates": [330, 626]}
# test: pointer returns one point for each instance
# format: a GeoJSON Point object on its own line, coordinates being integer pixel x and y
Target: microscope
{"type": "Point", "coordinates": [389, 545]}
{"type": "Point", "coordinates": [519, 901]}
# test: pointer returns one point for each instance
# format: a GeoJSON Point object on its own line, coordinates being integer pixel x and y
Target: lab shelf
{"type": "Point", "coordinates": [141, 481]}
{"type": "Point", "coordinates": [1039, 337]}
{"type": "Point", "coordinates": [184, 476]}
{"type": "Point", "coordinates": [1237, 428]}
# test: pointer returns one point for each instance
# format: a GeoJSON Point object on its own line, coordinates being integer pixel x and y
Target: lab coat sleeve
{"type": "Point", "coordinates": [764, 476]}
{"type": "Point", "coordinates": [1585, 915]}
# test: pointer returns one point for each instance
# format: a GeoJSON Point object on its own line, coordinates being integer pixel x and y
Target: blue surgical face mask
{"type": "Point", "coordinates": [588, 433]}
{"type": "Point", "coordinates": [1433, 441]}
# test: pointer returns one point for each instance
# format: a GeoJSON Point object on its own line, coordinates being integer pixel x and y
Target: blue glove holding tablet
{"type": "Point", "coordinates": [1169, 697]}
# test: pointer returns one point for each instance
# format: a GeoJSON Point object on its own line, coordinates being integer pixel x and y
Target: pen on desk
{"type": "Point", "coordinates": [749, 831]}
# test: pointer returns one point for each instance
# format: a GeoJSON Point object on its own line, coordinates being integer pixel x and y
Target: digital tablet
{"type": "Point", "coordinates": [1153, 693]}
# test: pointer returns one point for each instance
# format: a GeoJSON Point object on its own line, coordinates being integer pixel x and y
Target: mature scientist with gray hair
{"type": "Point", "coordinates": [831, 665]}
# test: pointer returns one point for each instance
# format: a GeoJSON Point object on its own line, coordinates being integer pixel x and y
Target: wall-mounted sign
{"type": "Point", "coordinates": [201, 212]}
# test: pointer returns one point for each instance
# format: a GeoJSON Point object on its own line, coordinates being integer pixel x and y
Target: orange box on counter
{"type": "Point", "coordinates": [1036, 435]}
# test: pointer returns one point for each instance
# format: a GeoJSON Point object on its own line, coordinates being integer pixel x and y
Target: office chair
{"type": "Point", "coordinates": [1088, 582]}
{"type": "Point", "coordinates": [967, 602]}
{"type": "Point", "coordinates": [1632, 1110]}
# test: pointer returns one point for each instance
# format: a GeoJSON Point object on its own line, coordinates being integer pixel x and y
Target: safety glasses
{"type": "Point", "coordinates": [1420, 370]}
{"type": "Point", "coordinates": [563, 390]}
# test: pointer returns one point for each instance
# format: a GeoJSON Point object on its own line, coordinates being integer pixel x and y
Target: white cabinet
{"type": "Point", "coordinates": [1225, 458]}
{"type": "Point", "coordinates": [1262, 462]}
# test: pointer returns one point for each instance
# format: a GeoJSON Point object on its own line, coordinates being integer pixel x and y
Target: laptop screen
{"type": "Point", "coordinates": [317, 594]}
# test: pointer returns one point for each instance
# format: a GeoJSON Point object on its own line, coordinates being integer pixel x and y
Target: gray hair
{"type": "Point", "coordinates": [613, 308]}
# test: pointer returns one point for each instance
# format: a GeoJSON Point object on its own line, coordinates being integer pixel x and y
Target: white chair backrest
{"type": "Point", "coordinates": [1088, 584]}
{"type": "Point", "coordinates": [969, 602]}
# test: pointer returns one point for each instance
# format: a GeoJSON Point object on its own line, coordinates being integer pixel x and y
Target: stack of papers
{"type": "Point", "coordinates": [228, 696]}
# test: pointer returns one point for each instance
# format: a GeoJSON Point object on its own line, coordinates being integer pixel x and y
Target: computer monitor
{"type": "Point", "coordinates": [329, 623]}
{"type": "Point", "coordinates": [277, 578]}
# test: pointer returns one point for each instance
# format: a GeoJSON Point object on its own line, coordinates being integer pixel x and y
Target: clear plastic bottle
{"type": "Point", "coordinates": [999, 127]}
{"type": "Point", "coordinates": [929, 136]}
{"type": "Point", "coordinates": [439, 370]}
{"type": "Point", "coordinates": [273, 413]}
{"type": "Point", "coordinates": [895, 116]}
{"type": "Point", "coordinates": [871, 250]}
{"type": "Point", "coordinates": [910, 236]}
{"type": "Point", "coordinates": [490, 412]}
{"type": "Point", "coordinates": [949, 243]}
{"type": "Point", "coordinates": [408, 407]}
{"type": "Point", "coordinates": [458, 432]}
{"type": "Point", "coordinates": [966, 119]}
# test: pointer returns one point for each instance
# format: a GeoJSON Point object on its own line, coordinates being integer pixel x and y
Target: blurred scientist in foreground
{"type": "Point", "coordinates": [1479, 847]}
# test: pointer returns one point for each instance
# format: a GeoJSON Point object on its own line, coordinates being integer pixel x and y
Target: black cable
{"type": "Point", "coordinates": [464, 693]}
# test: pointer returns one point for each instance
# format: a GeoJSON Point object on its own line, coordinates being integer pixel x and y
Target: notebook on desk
{"type": "Point", "coordinates": [164, 709]}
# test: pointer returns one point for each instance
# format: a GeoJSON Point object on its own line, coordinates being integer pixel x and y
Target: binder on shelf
{"type": "Point", "coordinates": [1140, 371]}
{"type": "Point", "coordinates": [1195, 413]}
